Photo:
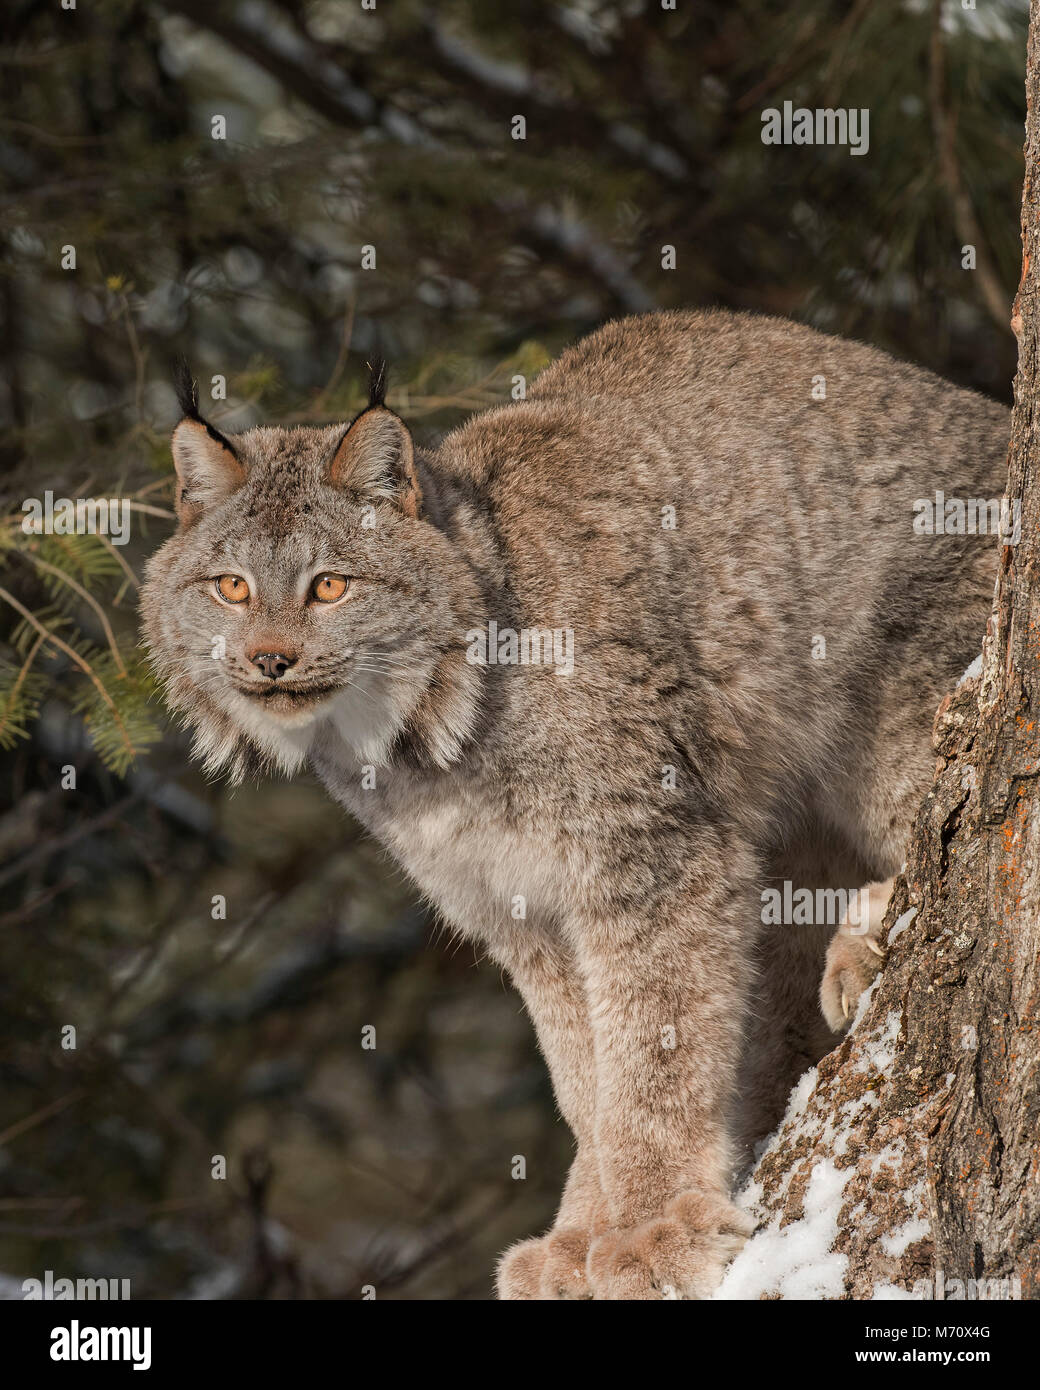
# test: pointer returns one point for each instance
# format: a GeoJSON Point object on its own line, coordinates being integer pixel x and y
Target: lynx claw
{"type": "Point", "coordinates": [850, 970]}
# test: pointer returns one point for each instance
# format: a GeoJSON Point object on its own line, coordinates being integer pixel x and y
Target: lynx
{"type": "Point", "coordinates": [718, 509]}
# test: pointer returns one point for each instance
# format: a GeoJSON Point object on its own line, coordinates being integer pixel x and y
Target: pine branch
{"type": "Point", "coordinates": [87, 598]}
{"type": "Point", "coordinates": [81, 662]}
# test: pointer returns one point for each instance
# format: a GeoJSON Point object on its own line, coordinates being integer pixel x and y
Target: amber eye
{"type": "Point", "coordinates": [232, 588]}
{"type": "Point", "coordinates": [327, 588]}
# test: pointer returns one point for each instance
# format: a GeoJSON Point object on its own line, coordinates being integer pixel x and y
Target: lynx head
{"type": "Point", "coordinates": [305, 594]}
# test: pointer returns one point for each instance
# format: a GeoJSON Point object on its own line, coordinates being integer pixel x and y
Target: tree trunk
{"type": "Point", "coordinates": [909, 1161]}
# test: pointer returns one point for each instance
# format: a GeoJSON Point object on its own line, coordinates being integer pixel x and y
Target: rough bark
{"type": "Point", "coordinates": [911, 1157]}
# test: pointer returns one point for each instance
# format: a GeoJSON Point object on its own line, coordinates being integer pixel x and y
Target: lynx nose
{"type": "Point", "coordinates": [273, 664]}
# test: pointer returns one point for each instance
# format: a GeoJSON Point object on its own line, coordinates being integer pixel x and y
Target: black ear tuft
{"type": "Point", "coordinates": [376, 382]}
{"type": "Point", "coordinates": [188, 399]}
{"type": "Point", "coordinates": [187, 390]}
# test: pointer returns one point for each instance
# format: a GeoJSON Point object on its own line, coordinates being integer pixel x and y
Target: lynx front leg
{"type": "Point", "coordinates": [854, 957]}
{"type": "Point", "coordinates": [553, 1266]}
{"type": "Point", "coordinates": [668, 990]}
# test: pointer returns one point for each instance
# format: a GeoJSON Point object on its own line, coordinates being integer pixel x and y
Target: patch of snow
{"type": "Point", "coordinates": [891, 1293]}
{"type": "Point", "coordinates": [864, 1003]}
{"type": "Point", "coordinates": [975, 669]}
{"type": "Point", "coordinates": [796, 1103]}
{"type": "Point", "coordinates": [918, 1225]}
{"type": "Point", "coordinates": [839, 1132]}
{"type": "Point", "coordinates": [900, 925]}
{"type": "Point", "coordinates": [751, 1195]}
{"type": "Point", "coordinates": [799, 1097]}
{"type": "Point", "coordinates": [797, 1261]}
{"type": "Point", "coordinates": [880, 1052]}
{"type": "Point", "coordinates": [891, 1153]}
{"type": "Point", "coordinates": [895, 1242]}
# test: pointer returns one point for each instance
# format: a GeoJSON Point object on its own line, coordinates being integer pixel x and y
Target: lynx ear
{"type": "Point", "coordinates": [375, 455]}
{"type": "Point", "coordinates": [208, 470]}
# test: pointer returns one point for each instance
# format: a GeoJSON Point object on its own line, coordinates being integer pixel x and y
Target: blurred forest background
{"type": "Point", "coordinates": [346, 126]}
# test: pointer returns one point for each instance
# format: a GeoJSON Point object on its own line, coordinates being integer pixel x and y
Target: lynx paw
{"type": "Point", "coordinates": [679, 1255]}
{"type": "Point", "coordinates": [853, 960]}
{"type": "Point", "coordinates": [546, 1267]}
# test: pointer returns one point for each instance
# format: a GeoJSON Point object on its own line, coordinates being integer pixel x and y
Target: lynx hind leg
{"type": "Point", "coordinates": [854, 957]}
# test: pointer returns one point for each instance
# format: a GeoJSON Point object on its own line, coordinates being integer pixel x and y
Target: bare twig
{"type": "Point", "coordinates": [969, 231]}
{"type": "Point", "coordinates": [124, 565]}
{"type": "Point", "coordinates": [341, 356]}
{"type": "Point", "coordinates": [51, 847]}
{"type": "Point", "coordinates": [38, 1116]}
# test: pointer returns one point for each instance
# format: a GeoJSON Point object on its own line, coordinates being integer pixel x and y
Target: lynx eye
{"type": "Point", "coordinates": [232, 588]}
{"type": "Point", "coordinates": [327, 588]}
